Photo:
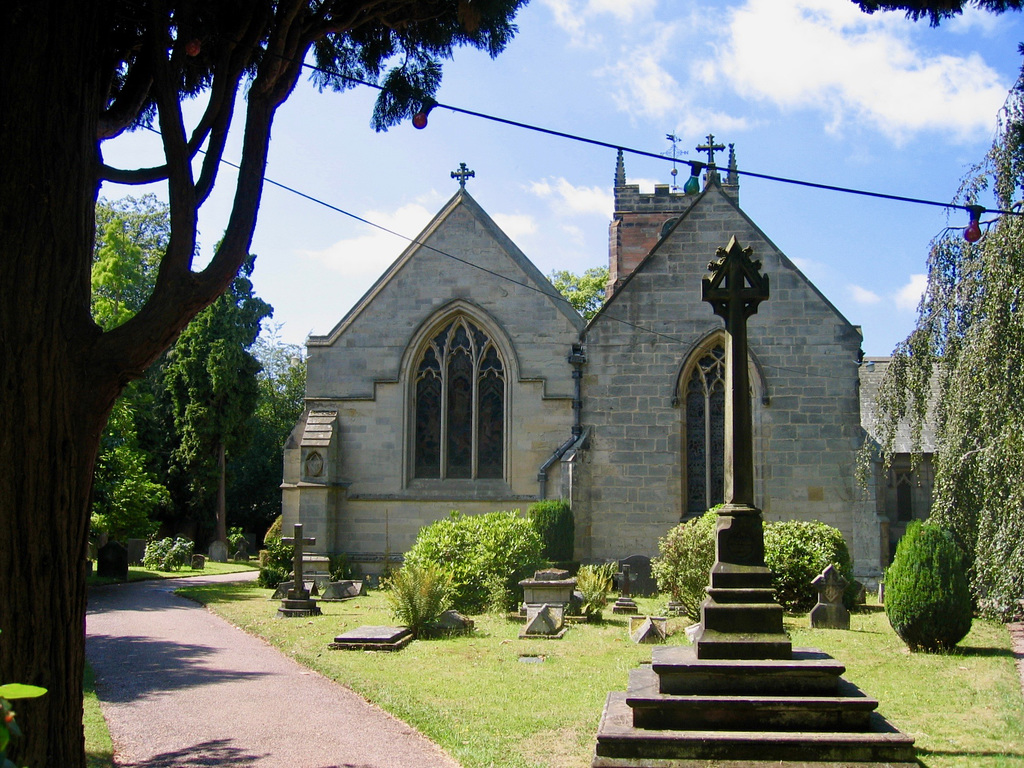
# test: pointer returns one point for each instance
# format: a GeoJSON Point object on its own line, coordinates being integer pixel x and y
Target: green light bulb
{"type": "Point", "coordinates": [692, 186]}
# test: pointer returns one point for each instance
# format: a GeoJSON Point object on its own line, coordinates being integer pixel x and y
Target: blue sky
{"type": "Point", "coordinates": [806, 89]}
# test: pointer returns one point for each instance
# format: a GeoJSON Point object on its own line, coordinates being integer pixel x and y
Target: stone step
{"type": "Point", "coordinates": [850, 710]}
{"type": "Point", "coordinates": [622, 745]}
{"type": "Point", "coordinates": [752, 595]}
{"type": "Point", "coordinates": [714, 644]}
{"type": "Point", "coordinates": [741, 617]}
{"type": "Point", "coordinates": [808, 672]}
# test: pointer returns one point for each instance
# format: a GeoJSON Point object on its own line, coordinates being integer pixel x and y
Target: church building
{"type": "Point", "coordinates": [462, 380]}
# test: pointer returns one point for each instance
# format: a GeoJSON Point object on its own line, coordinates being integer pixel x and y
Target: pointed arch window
{"type": "Point", "coordinates": [459, 406]}
{"type": "Point", "coordinates": [704, 424]}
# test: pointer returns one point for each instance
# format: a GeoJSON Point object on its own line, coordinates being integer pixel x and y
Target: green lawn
{"type": "Point", "coordinates": [474, 697]}
{"type": "Point", "coordinates": [138, 573]}
{"type": "Point", "coordinates": [99, 753]}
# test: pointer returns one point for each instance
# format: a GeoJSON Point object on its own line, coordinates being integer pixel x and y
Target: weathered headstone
{"type": "Point", "coordinates": [198, 562]}
{"type": "Point", "coordinates": [544, 621]}
{"type": "Point", "coordinates": [298, 602]}
{"type": "Point", "coordinates": [242, 553]}
{"type": "Point", "coordinates": [218, 552]}
{"type": "Point", "coordinates": [830, 613]}
{"type": "Point", "coordinates": [648, 629]}
{"type": "Point", "coordinates": [371, 638]}
{"type": "Point", "coordinates": [136, 551]}
{"type": "Point", "coordinates": [625, 603]}
{"type": "Point", "coordinates": [551, 586]}
{"type": "Point", "coordinates": [342, 590]}
{"type": "Point", "coordinates": [453, 623]}
{"type": "Point", "coordinates": [112, 561]}
{"type": "Point", "coordinates": [641, 580]}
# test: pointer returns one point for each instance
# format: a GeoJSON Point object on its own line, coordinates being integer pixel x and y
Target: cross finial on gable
{"type": "Point", "coordinates": [710, 148]}
{"type": "Point", "coordinates": [462, 174]}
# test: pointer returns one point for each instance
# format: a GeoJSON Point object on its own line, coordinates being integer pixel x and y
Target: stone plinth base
{"type": "Point", "coordinates": [373, 638]}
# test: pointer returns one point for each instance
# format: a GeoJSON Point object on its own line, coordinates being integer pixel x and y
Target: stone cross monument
{"type": "Point", "coordinates": [298, 602]}
{"type": "Point", "coordinates": [740, 618]}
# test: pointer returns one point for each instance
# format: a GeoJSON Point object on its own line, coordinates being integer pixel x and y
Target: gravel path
{"type": "Point", "coordinates": [181, 687]}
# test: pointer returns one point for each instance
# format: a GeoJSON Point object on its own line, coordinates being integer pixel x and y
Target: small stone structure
{"type": "Point", "coordinates": [625, 603]}
{"type": "Point", "coordinates": [198, 563]}
{"type": "Point", "coordinates": [136, 551]}
{"type": "Point", "coordinates": [336, 591]}
{"type": "Point", "coordinates": [545, 622]}
{"type": "Point", "coordinates": [648, 629]}
{"type": "Point", "coordinates": [641, 579]}
{"type": "Point", "coordinates": [830, 613]}
{"type": "Point", "coordinates": [551, 586]}
{"type": "Point", "coordinates": [218, 552]}
{"type": "Point", "coordinates": [298, 602]}
{"type": "Point", "coordinates": [112, 561]}
{"type": "Point", "coordinates": [373, 638]}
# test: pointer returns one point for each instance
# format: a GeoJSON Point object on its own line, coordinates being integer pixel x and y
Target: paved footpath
{"type": "Point", "coordinates": [180, 687]}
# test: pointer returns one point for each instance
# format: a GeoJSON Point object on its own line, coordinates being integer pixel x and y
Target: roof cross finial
{"type": "Point", "coordinates": [710, 148]}
{"type": "Point", "coordinates": [462, 174]}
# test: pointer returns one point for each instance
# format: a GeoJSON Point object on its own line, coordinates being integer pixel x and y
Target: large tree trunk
{"type": "Point", "coordinates": [52, 404]}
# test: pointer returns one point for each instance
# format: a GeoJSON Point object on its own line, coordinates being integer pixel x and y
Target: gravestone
{"type": "Point", "coordinates": [342, 590]}
{"type": "Point", "coordinates": [298, 603]}
{"type": "Point", "coordinates": [830, 613]}
{"type": "Point", "coordinates": [198, 563]}
{"type": "Point", "coordinates": [112, 561]}
{"type": "Point", "coordinates": [453, 623]}
{"type": "Point", "coordinates": [641, 580]}
{"type": "Point", "coordinates": [218, 552]}
{"type": "Point", "coordinates": [242, 553]}
{"type": "Point", "coordinates": [136, 551]}
{"type": "Point", "coordinates": [625, 603]}
{"type": "Point", "coordinates": [648, 629]}
{"type": "Point", "coordinates": [544, 621]}
{"type": "Point", "coordinates": [372, 638]}
{"type": "Point", "coordinates": [551, 586]}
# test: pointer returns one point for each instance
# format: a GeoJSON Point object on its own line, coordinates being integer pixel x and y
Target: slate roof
{"type": "Point", "coordinates": [872, 371]}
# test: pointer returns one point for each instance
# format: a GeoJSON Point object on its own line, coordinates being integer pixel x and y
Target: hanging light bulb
{"type": "Point", "coordinates": [692, 185]}
{"type": "Point", "coordinates": [419, 120]}
{"type": "Point", "coordinates": [972, 233]}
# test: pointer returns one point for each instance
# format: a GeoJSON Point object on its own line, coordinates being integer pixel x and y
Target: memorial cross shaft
{"type": "Point", "coordinates": [740, 618]}
{"type": "Point", "coordinates": [298, 541]}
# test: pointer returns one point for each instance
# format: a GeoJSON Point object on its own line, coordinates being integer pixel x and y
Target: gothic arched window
{"type": "Point", "coordinates": [704, 424]}
{"type": "Point", "coordinates": [459, 406]}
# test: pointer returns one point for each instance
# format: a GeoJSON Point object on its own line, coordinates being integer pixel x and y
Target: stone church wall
{"type": "Point", "coordinates": [807, 422]}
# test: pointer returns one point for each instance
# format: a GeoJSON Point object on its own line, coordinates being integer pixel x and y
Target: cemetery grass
{"type": "Point", "coordinates": [99, 752]}
{"type": "Point", "coordinates": [138, 573]}
{"type": "Point", "coordinates": [475, 697]}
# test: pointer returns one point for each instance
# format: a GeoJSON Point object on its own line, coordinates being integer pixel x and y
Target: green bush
{"type": "Point", "coordinates": [553, 520]}
{"type": "Point", "coordinates": [927, 595]}
{"type": "Point", "coordinates": [418, 595]}
{"type": "Point", "coordinates": [274, 531]}
{"type": "Point", "coordinates": [476, 549]}
{"type": "Point", "coordinates": [797, 552]}
{"type": "Point", "coordinates": [168, 554]}
{"type": "Point", "coordinates": [275, 553]}
{"type": "Point", "coordinates": [594, 582]}
{"type": "Point", "coordinates": [270, 576]}
{"type": "Point", "coordinates": [683, 568]}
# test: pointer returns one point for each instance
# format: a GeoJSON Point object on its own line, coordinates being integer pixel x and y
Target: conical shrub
{"type": "Point", "coordinates": [927, 594]}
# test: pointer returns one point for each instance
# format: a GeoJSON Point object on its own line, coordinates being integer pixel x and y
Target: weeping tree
{"type": "Point", "coordinates": [969, 344]}
{"type": "Point", "coordinates": [77, 73]}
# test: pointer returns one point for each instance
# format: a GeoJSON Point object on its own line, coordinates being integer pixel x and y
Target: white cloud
{"type": "Point", "coordinates": [515, 225]}
{"type": "Point", "coordinates": [909, 296]}
{"type": "Point", "coordinates": [863, 295]}
{"type": "Point", "coordinates": [643, 85]}
{"type": "Point", "coordinates": [571, 199]}
{"type": "Point", "coordinates": [828, 56]}
{"type": "Point", "coordinates": [972, 21]}
{"type": "Point", "coordinates": [362, 259]}
{"type": "Point", "coordinates": [577, 17]}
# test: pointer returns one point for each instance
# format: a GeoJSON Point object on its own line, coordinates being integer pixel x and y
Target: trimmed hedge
{"type": "Point", "coordinates": [479, 551]}
{"type": "Point", "coordinates": [797, 552]}
{"type": "Point", "coordinates": [553, 521]}
{"type": "Point", "coordinates": [927, 594]}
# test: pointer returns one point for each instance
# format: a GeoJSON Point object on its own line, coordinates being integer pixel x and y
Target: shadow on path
{"type": "Point", "coordinates": [145, 666]}
{"type": "Point", "coordinates": [209, 753]}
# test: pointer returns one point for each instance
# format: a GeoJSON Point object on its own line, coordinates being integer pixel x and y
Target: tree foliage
{"type": "Point", "coordinates": [211, 381]}
{"type": "Point", "coordinates": [585, 292]}
{"type": "Point", "coordinates": [969, 338]}
{"type": "Point", "coordinates": [937, 10]}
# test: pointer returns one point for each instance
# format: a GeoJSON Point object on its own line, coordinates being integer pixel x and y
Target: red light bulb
{"type": "Point", "coordinates": [419, 120]}
{"type": "Point", "coordinates": [193, 47]}
{"type": "Point", "coordinates": [973, 232]}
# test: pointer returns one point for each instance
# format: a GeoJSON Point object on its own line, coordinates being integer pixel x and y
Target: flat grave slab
{"type": "Point", "coordinates": [372, 638]}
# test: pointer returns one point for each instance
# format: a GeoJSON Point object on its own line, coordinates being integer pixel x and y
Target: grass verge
{"type": "Point", "coordinates": [99, 752]}
{"type": "Point", "coordinates": [476, 698]}
{"type": "Point", "coordinates": [138, 573]}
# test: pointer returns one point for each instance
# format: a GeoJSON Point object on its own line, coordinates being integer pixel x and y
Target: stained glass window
{"type": "Point", "coordinates": [459, 406]}
{"type": "Point", "coordinates": [705, 432]}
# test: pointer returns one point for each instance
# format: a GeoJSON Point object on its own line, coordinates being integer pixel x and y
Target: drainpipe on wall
{"type": "Point", "coordinates": [577, 359]}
